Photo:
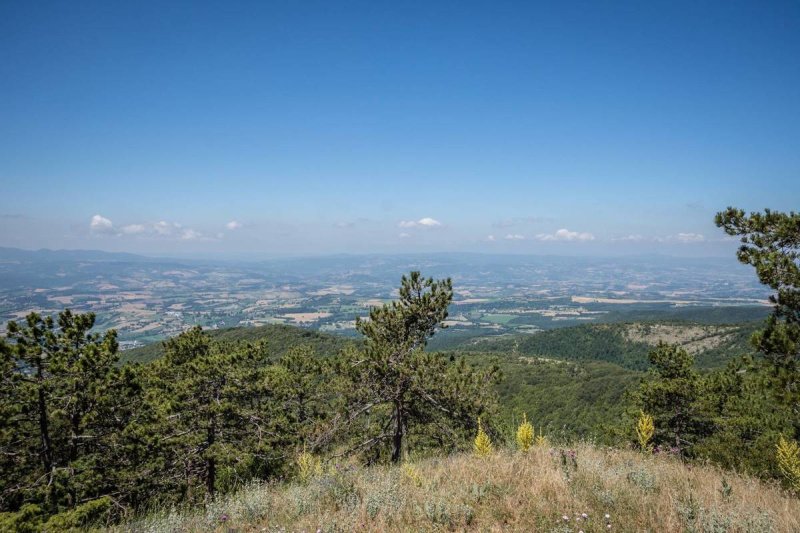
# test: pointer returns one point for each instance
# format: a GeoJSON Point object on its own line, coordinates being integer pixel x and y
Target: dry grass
{"type": "Point", "coordinates": [508, 491]}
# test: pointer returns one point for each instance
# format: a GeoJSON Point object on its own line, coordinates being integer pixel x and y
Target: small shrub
{"type": "Point", "coordinates": [525, 434]}
{"type": "Point", "coordinates": [643, 479]}
{"type": "Point", "coordinates": [384, 499]}
{"type": "Point", "coordinates": [688, 510]}
{"type": "Point", "coordinates": [726, 490]}
{"type": "Point", "coordinates": [645, 429]}
{"type": "Point", "coordinates": [91, 513]}
{"type": "Point", "coordinates": [27, 520]}
{"type": "Point", "coordinates": [339, 488]}
{"type": "Point", "coordinates": [411, 473]}
{"type": "Point", "coordinates": [308, 466]}
{"type": "Point", "coordinates": [541, 440]}
{"type": "Point", "coordinates": [437, 512]}
{"type": "Point", "coordinates": [569, 462]}
{"type": "Point", "coordinates": [483, 444]}
{"type": "Point", "coordinates": [788, 456]}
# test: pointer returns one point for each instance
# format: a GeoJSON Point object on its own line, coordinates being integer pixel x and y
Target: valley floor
{"type": "Point", "coordinates": [604, 489]}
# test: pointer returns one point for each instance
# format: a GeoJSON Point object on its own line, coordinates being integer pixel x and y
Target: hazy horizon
{"type": "Point", "coordinates": [267, 256]}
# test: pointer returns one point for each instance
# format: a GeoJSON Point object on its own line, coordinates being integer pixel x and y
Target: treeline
{"type": "Point", "coordinates": [84, 440]}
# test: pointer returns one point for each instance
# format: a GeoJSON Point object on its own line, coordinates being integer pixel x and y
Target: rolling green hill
{"type": "Point", "coordinates": [570, 399]}
{"type": "Point", "coordinates": [280, 338]}
{"type": "Point", "coordinates": [571, 381]}
{"type": "Point", "coordinates": [626, 345]}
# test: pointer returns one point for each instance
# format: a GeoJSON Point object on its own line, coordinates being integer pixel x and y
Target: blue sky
{"type": "Point", "coordinates": [305, 127]}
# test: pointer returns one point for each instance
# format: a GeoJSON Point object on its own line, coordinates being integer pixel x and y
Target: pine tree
{"type": "Point", "coordinates": [770, 242]}
{"type": "Point", "coordinates": [215, 415]}
{"type": "Point", "coordinates": [397, 393]}
{"type": "Point", "coordinates": [62, 404]}
{"type": "Point", "coordinates": [671, 395]}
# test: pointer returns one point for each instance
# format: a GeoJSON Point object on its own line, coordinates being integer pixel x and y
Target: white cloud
{"type": "Point", "coordinates": [404, 235]}
{"type": "Point", "coordinates": [165, 228]}
{"type": "Point", "coordinates": [425, 222]}
{"type": "Point", "coordinates": [565, 235]}
{"type": "Point", "coordinates": [191, 235]}
{"type": "Point", "coordinates": [429, 222]}
{"type": "Point", "coordinates": [490, 238]}
{"type": "Point", "coordinates": [233, 225]}
{"type": "Point", "coordinates": [689, 237]}
{"type": "Point", "coordinates": [162, 229]}
{"type": "Point", "coordinates": [133, 229]}
{"type": "Point", "coordinates": [514, 237]}
{"type": "Point", "coordinates": [631, 238]}
{"type": "Point", "coordinates": [101, 224]}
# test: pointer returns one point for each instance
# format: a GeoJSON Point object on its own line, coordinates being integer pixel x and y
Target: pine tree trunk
{"type": "Point", "coordinates": [211, 464]}
{"type": "Point", "coordinates": [399, 425]}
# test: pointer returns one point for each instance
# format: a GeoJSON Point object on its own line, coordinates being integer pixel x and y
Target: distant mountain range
{"type": "Point", "coordinates": [46, 255]}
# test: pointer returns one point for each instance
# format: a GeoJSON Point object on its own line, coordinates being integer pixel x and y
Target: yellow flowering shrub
{"type": "Point", "coordinates": [541, 440]}
{"type": "Point", "coordinates": [788, 455]}
{"type": "Point", "coordinates": [308, 466]}
{"type": "Point", "coordinates": [525, 434]}
{"type": "Point", "coordinates": [645, 429]}
{"type": "Point", "coordinates": [483, 444]}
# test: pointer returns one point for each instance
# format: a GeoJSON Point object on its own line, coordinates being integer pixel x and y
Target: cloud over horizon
{"type": "Point", "coordinates": [425, 222]}
{"type": "Point", "coordinates": [565, 235]}
{"type": "Point", "coordinates": [100, 225]}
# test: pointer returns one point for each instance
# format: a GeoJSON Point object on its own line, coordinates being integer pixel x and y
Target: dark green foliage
{"type": "Point", "coordinates": [578, 343]}
{"type": "Point", "coordinates": [671, 395]}
{"type": "Point", "coordinates": [281, 339]}
{"type": "Point", "coordinates": [209, 400]}
{"type": "Point", "coordinates": [734, 416]}
{"type": "Point", "coordinates": [64, 401]}
{"type": "Point", "coordinates": [566, 400]}
{"type": "Point", "coordinates": [771, 244]}
{"type": "Point", "coordinates": [746, 420]}
{"type": "Point", "coordinates": [607, 342]}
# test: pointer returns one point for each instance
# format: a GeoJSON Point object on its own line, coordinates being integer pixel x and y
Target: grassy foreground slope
{"type": "Point", "coordinates": [508, 491]}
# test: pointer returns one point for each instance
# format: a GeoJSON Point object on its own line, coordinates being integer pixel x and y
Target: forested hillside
{"type": "Point", "coordinates": [280, 339]}
{"type": "Point", "coordinates": [626, 344]}
{"type": "Point", "coordinates": [567, 399]}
